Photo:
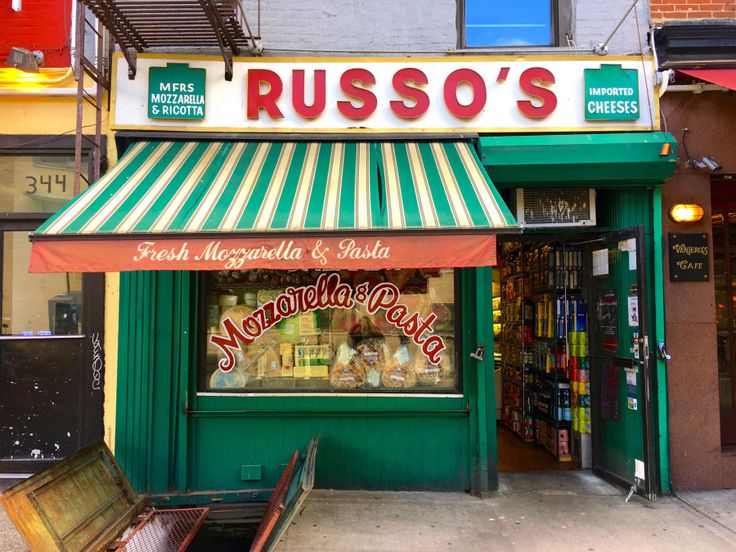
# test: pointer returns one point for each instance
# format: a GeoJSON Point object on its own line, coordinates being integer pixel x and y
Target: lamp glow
{"type": "Point", "coordinates": [686, 212]}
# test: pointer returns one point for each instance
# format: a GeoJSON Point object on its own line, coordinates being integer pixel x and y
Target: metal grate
{"type": "Point", "coordinates": [556, 207]}
{"type": "Point", "coordinates": [166, 530]}
{"type": "Point", "coordinates": [142, 25]}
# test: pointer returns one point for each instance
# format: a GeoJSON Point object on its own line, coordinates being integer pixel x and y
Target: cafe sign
{"type": "Point", "coordinates": [688, 254]}
{"type": "Point", "coordinates": [365, 95]}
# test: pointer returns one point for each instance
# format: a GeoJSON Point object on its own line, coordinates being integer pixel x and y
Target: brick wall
{"type": "Point", "coordinates": [40, 25]}
{"type": "Point", "coordinates": [665, 10]}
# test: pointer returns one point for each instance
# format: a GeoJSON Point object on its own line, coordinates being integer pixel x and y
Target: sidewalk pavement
{"type": "Point", "coordinates": [550, 511]}
{"type": "Point", "coordinates": [563, 511]}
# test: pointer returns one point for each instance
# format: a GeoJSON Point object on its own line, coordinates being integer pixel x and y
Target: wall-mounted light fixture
{"type": "Point", "coordinates": [25, 60]}
{"type": "Point", "coordinates": [686, 212]}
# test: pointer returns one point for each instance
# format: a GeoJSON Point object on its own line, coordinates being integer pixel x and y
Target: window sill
{"type": "Point", "coordinates": [506, 50]}
{"type": "Point", "coordinates": [354, 395]}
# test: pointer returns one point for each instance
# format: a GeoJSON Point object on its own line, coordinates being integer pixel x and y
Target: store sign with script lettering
{"type": "Point", "coordinates": [329, 292]}
{"type": "Point", "coordinates": [355, 252]}
{"type": "Point", "coordinates": [688, 257]}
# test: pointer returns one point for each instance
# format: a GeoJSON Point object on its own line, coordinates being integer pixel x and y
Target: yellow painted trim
{"type": "Point", "coordinates": [392, 130]}
{"type": "Point", "coordinates": [450, 57]}
{"type": "Point", "coordinates": [112, 327]}
{"type": "Point", "coordinates": [113, 90]}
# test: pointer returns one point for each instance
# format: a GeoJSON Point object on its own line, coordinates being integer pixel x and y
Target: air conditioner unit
{"type": "Point", "coordinates": [553, 207]}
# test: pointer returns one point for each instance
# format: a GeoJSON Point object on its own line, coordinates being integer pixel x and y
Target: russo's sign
{"type": "Point", "coordinates": [329, 292]}
{"type": "Point", "coordinates": [389, 94]}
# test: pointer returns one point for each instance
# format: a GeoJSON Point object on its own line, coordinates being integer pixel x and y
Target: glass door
{"type": "Point", "coordinates": [620, 363]}
{"type": "Point", "coordinates": [51, 366]}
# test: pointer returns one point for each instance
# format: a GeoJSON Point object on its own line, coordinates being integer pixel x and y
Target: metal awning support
{"type": "Point", "coordinates": [141, 25]}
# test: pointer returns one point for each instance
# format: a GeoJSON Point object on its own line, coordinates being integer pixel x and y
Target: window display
{"type": "Point", "coordinates": [314, 331]}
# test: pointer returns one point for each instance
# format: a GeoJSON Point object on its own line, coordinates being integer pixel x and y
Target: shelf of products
{"type": "Point", "coordinates": [515, 340]}
{"type": "Point", "coordinates": [546, 383]}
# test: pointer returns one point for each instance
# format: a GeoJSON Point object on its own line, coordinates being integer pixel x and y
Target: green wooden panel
{"type": "Point", "coordinates": [579, 160]}
{"type": "Point", "coordinates": [168, 439]}
{"type": "Point", "coordinates": [627, 209]}
{"type": "Point", "coordinates": [154, 344]}
{"type": "Point", "coordinates": [361, 451]}
{"type": "Point", "coordinates": [621, 440]}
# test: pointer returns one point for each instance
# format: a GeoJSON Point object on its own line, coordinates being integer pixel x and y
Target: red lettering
{"type": "Point", "coordinates": [528, 83]}
{"type": "Point", "coordinates": [229, 343]}
{"type": "Point", "coordinates": [420, 97]}
{"type": "Point", "coordinates": [432, 348]}
{"type": "Point", "coordinates": [284, 307]}
{"type": "Point", "coordinates": [297, 94]}
{"type": "Point", "coordinates": [395, 314]}
{"type": "Point", "coordinates": [251, 325]}
{"type": "Point", "coordinates": [383, 296]}
{"type": "Point", "coordinates": [475, 81]}
{"type": "Point", "coordinates": [257, 101]}
{"type": "Point", "coordinates": [368, 99]}
{"type": "Point", "coordinates": [425, 326]}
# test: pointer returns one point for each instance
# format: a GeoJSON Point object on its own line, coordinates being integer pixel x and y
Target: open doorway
{"type": "Point", "coordinates": [572, 358]}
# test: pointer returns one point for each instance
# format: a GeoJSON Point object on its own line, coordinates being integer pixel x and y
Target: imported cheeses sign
{"type": "Point", "coordinates": [364, 95]}
{"type": "Point", "coordinates": [612, 94]}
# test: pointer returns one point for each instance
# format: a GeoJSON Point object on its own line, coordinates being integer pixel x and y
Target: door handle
{"type": "Point", "coordinates": [663, 354]}
{"type": "Point", "coordinates": [479, 354]}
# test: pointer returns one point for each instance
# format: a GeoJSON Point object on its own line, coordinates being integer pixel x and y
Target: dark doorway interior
{"type": "Point", "coordinates": [724, 269]}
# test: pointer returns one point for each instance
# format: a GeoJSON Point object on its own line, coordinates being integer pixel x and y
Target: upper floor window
{"type": "Point", "coordinates": [493, 23]}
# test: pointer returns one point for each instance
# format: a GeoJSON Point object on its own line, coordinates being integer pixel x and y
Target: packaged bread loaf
{"type": "Point", "coordinates": [427, 372]}
{"type": "Point", "coordinates": [344, 372]}
{"type": "Point", "coordinates": [398, 373]}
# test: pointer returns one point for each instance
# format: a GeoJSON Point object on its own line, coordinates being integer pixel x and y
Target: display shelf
{"type": "Point", "coordinates": [517, 311]}
{"type": "Point", "coordinates": [513, 381]}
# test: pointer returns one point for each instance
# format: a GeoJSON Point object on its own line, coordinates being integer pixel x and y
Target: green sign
{"type": "Point", "coordinates": [611, 94]}
{"type": "Point", "coordinates": [176, 92]}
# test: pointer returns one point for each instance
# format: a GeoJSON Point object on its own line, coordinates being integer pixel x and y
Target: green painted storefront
{"type": "Point", "coordinates": [172, 440]}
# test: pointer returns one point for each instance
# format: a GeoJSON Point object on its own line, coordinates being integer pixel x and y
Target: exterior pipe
{"type": "Point", "coordinates": [698, 88]}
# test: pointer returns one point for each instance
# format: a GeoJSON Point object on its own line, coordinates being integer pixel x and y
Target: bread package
{"type": "Point", "coordinates": [427, 372]}
{"type": "Point", "coordinates": [398, 373]}
{"type": "Point", "coordinates": [344, 373]}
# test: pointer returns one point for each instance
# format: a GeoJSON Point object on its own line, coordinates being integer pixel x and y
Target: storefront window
{"type": "Point", "coordinates": [36, 183]}
{"type": "Point", "coordinates": [312, 331]}
{"type": "Point", "coordinates": [37, 304]}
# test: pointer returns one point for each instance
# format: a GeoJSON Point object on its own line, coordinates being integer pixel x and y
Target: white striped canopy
{"type": "Point", "coordinates": [196, 189]}
{"type": "Point", "coordinates": [177, 187]}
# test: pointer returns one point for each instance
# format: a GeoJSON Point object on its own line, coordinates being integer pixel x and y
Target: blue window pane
{"type": "Point", "coordinates": [504, 23]}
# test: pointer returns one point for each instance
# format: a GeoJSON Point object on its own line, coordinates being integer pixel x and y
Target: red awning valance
{"type": "Point", "coordinates": [721, 77]}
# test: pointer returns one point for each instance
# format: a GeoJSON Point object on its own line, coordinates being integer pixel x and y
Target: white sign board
{"type": "Point", "coordinates": [363, 95]}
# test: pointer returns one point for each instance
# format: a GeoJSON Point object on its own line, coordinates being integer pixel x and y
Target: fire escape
{"type": "Point", "coordinates": [138, 26]}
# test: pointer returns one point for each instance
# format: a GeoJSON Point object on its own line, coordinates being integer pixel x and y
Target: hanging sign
{"type": "Point", "coordinates": [410, 94]}
{"type": "Point", "coordinates": [329, 292]}
{"type": "Point", "coordinates": [176, 92]}
{"type": "Point", "coordinates": [612, 94]}
{"type": "Point", "coordinates": [688, 257]}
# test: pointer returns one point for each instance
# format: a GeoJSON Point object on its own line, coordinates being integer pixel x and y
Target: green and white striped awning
{"type": "Point", "coordinates": [206, 189]}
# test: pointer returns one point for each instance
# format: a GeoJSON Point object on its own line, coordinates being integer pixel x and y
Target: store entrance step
{"type": "Point", "coordinates": [563, 482]}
